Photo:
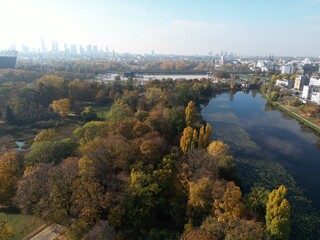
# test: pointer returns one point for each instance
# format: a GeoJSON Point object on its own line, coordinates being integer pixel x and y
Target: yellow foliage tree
{"type": "Point", "coordinates": [194, 139]}
{"type": "Point", "coordinates": [10, 170]}
{"type": "Point", "coordinates": [6, 231]}
{"type": "Point", "coordinates": [278, 214]}
{"type": "Point", "coordinates": [204, 136]}
{"type": "Point", "coordinates": [186, 139]}
{"type": "Point", "coordinates": [218, 149]}
{"type": "Point", "coordinates": [201, 143]}
{"type": "Point", "coordinates": [62, 106]}
{"type": "Point", "coordinates": [190, 113]}
{"type": "Point", "coordinates": [227, 204]}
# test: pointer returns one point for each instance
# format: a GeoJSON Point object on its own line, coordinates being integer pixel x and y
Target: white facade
{"type": "Point", "coordinates": [285, 83]}
{"type": "Point", "coordinates": [287, 69]}
{"type": "Point", "coordinates": [305, 92]}
{"type": "Point", "coordinates": [315, 97]}
{"type": "Point", "coordinates": [315, 81]}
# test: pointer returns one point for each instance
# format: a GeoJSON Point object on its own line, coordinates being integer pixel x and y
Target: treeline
{"type": "Point", "coordinates": [150, 171]}
{"type": "Point", "coordinates": [101, 67]}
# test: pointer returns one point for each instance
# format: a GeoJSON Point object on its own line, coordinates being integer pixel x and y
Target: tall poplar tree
{"type": "Point", "coordinates": [278, 214]}
{"type": "Point", "coordinates": [190, 113]}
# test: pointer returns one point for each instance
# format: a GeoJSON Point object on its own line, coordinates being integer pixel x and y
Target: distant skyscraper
{"type": "Point", "coordinates": [73, 49]}
{"type": "Point", "coordinates": [66, 49]}
{"type": "Point", "coordinates": [55, 47]}
{"type": "Point", "coordinates": [89, 49]}
{"type": "Point", "coordinates": [81, 50]}
{"type": "Point", "coordinates": [95, 49]}
{"type": "Point", "coordinates": [107, 50]}
{"type": "Point", "coordinates": [152, 52]}
{"type": "Point", "coordinates": [43, 46]}
{"type": "Point", "coordinates": [25, 49]}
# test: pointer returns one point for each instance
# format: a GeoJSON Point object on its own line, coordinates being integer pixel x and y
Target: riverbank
{"type": "Point", "coordinates": [297, 116]}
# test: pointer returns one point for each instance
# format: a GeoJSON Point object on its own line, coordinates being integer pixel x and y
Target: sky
{"type": "Point", "coordinates": [191, 27]}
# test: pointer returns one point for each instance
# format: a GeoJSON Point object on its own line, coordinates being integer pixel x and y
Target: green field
{"type": "Point", "coordinates": [22, 224]}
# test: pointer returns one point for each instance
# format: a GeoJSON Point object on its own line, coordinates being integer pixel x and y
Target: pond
{"type": "Point", "coordinates": [268, 145]}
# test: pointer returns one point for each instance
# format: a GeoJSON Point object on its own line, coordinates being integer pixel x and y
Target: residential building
{"type": "Point", "coordinates": [305, 92]}
{"type": "Point", "coordinates": [311, 93]}
{"type": "Point", "coordinates": [285, 83]}
{"type": "Point", "coordinates": [315, 81]}
{"type": "Point", "coordinates": [300, 81]}
{"type": "Point", "coordinates": [315, 96]}
{"type": "Point", "coordinates": [287, 69]}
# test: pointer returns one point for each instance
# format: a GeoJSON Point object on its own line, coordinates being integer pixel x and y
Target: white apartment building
{"type": "Point", "coordinates": [285, 83]}
{"type": "Point", "coordinates": [286, 69]}
{"type": "Point", "coordinates": [315, 81]}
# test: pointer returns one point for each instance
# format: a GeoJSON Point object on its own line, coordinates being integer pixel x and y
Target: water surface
{"type": "Point", "coordinates": [256, 131]}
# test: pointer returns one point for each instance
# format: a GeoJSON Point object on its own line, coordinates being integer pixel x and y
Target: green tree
{"type": "Point", "coordinates": [278, 214]}
{"type": "Point", "coordinates": [50, 151]}
{"type": "Point", "coordinates": [88, 114]}
{"type": "Point", "coordinates": [190, 113]}
{"type": "Point", "coordinates": [256, 201]}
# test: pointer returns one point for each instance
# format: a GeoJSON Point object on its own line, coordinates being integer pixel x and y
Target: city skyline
{"type": "Point", "coordinates": [283, 28]}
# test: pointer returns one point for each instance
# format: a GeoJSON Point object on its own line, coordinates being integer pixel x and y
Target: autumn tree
{"type": "Point", "coordinates": [6, 231]}
{"type": "Point", "coordinates": [190, 114]}
{"type": "Point", "coordinates": [33, 189]}
{"type": "Point", "coordinates": [10, 171]}
{"type": "Point", "coordinates": [62, 106]}
{"type": "Point", "coordinates": [204, 136]}
{"type": "Point", "coordinates": [45, 135]}
{"type": "Point", "coordinates": [200, 201]}
{"type": "Point", "coordinates": [278, 214]}
{"type": "Point", "coordinates": [186, 139]}
{"type": "Point", "coordinates": [201, 164]}
{"type": "Point", "coordinates": [218, 149]}
{"type": "Point", "coordinates": [101, 231]}
{"type": "Point", "coordinates": [227, 204]}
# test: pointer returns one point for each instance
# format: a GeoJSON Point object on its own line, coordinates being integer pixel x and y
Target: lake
{"type": "Point", "coordinates": [256, 131]}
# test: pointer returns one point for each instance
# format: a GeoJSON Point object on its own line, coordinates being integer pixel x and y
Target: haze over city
{"type": "Point", "coordinates": [283, 28]}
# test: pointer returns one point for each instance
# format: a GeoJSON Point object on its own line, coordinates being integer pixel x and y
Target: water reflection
{"type": "Point", "coordinates": [257, 130]}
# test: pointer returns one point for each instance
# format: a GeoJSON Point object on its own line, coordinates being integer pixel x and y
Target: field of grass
{"type": "Point", "coordinates": [22, 224]}
{"type": "Point", "coordinates": [101, 111]}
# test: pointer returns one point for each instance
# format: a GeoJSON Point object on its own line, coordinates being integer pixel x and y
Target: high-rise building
{"type": "Point", "coordinates": [287, 69]}
{"type": "Point", "coordinates": [43, 46]}
{"type": "Point", "coordinates": [81, 50]}
{"type": "Point", "coordinates": [89, 49]}
{"type": "Point", "coordinates": [66, 49]}
{"type": "Point", "coordinates": [301, 81]}
{"type": "Point", "coordinates": [25, 48]}
{"type": "Point", "coordinates": [73, 49]}
{"type": "Point", "coordinates": [95, 49]}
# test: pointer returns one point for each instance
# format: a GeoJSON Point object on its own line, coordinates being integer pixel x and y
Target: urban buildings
{"type": "Point", "coordinates": [300, 81]}
{"type": "Point", "coordinates": [8, 59]}
{"type": "Point", "coordinates": [287, 69]}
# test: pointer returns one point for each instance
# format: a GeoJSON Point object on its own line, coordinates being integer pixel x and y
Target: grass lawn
{"type": "Point", "coordinates": [101, 111]}
{"type": "Point", "coordinates": [22, 224]}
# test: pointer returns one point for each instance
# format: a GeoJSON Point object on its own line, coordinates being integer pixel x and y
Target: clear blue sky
{"type": "Point", "coordinates": [245, 27]}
